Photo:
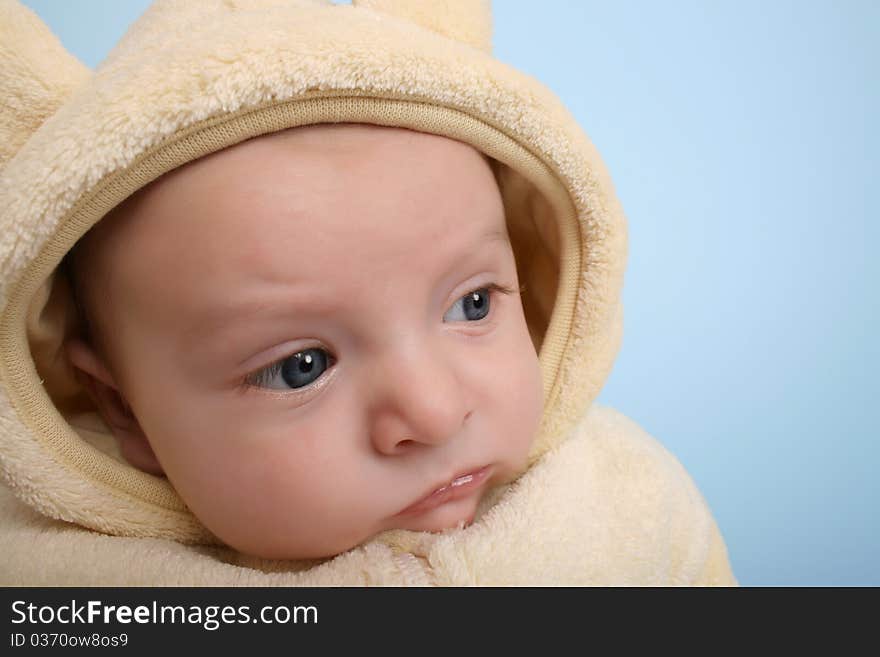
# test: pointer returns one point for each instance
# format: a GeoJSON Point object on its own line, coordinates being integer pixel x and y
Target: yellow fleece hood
{"type": "Point", "coordinates": [191, 77]}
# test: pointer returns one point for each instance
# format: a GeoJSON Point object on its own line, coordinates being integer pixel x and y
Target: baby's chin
{"type": "Point", "coordinates": [456, 510]}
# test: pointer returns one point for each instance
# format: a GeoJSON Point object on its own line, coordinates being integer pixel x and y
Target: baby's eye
{"type": "Point", "coordinates": [296, 371]}
{"type": "Point", "coordinates": [472, 307]}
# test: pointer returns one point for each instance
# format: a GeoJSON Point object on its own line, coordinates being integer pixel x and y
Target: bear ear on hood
{"type": "Point", "coordinates": [467, 21]}
{"type": "Point", "coordinates": [37, 75]}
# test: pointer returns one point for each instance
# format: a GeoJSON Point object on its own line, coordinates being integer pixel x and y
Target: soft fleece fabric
{"type": "Point", "coordinates": [601, 501]}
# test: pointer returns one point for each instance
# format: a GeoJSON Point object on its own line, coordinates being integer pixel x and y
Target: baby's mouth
{"type": "Point", "coordinates": [460, 486]}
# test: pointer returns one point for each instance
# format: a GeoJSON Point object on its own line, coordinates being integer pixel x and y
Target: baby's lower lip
{"type": "Point", "coordinates": [458, 488]}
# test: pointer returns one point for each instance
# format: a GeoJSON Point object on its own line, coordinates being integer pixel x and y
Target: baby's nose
{"type": "Point", "coordinates": [419, 402]}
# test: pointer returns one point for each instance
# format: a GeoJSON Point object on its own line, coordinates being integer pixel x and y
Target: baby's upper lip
{"type": "Point", "coordinates": [463, 477]}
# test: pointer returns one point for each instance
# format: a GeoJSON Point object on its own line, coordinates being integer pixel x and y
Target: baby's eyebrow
{"type": "Point", "coordinates": [497, 235]}
{"type": "Point", "coordinates": [217, 318]}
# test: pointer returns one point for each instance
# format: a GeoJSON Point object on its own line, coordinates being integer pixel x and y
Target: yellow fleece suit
{"type": "Point", "coordinates": [600, 503]}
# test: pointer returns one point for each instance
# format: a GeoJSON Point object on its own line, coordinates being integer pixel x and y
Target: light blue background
{"type": "Point", "coordinates": [742, 138]}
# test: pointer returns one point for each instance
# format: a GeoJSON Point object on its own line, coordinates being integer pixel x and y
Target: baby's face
{"type": "Point", "coordinates": [312, 331]}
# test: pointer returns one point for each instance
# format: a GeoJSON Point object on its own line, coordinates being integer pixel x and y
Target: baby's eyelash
{"type": "Point", "coordinates": [253, 380]}
{"type": "Point", "coordinates": [259, 378]}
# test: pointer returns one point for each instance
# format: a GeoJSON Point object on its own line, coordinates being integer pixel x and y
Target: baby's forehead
{"type": "Point", "coordinates": [342, 186]}
{"type": "Point", "coordinates": [317, 167]}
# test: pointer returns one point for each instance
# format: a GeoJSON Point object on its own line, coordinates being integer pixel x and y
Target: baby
{"type": "Point", "coordinates": [318, 336]}
{"type": "Point", "coordinates": [297, 293]}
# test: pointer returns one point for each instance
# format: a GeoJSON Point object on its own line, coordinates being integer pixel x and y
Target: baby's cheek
{"type": "Point", "coordinates": [527, 409]}
{"type": "Point", "coordinates": [279, 504]}
{"type": "Point", "coordinates": [245, 493]}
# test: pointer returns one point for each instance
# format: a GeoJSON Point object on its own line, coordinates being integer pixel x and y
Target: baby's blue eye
{"type": "Point", "coordinates": [474, 306]}
{"type": "Point", "coordinates": [296, 371]}
{"type": "Point", "coordinates": [303, 367]}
